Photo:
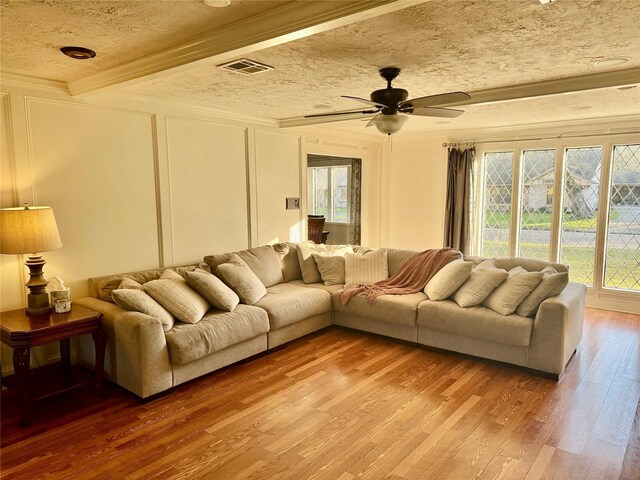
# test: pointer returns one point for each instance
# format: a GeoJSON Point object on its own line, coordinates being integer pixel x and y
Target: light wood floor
{"type": "Point", "coordinates": [340, 405]}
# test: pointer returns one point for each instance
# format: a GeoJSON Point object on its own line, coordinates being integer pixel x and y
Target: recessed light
{"type": "Point", "coordinates": [627, 87]}
{"type": "Point", "coordinates": [78, 53]}
{"type": "Point", "coordinates": [611, 61]}
{"type": "Point", "coordinates": [543, 2]}
{"type": "Point", "coordinates": [218, 3]}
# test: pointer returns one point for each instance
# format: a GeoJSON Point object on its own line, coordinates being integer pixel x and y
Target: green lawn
{"type": "Point", "coordinates": [542, 220]}
{"type": "Point", "coordinates": [623, 269]}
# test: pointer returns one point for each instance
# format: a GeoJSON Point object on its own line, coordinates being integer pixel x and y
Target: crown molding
{"type": "Point", "coordinates": [279, 25]}
{"type": "Point", "coordinates": [620, 124]}
{"type": "Point", "coordinates": [560, 86]}
{"type": "Point", "coordinates": [18, 80]}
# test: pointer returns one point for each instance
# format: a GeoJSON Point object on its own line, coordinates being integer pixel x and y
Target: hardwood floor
{"type": "Point", "coordinates": [340, 405]}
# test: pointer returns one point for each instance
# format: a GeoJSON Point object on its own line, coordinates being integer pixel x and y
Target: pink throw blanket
{"type": "Point", "coordinates": [411, 278]}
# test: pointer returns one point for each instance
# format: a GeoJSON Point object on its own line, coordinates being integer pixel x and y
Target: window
{"type": "Point", "coordinates": [496, 204]}
{"type": "Point", "coordinates": [329, 192]}
{"type": "Point", "coordinates": [563, 219]}
{"type": "Point", "coordinates": [536, 203]}
{"type": "Point", "coordinates": [622, 261]}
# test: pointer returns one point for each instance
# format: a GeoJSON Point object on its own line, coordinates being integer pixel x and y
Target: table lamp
{"type": "Point", "coordinates": [29, 230]}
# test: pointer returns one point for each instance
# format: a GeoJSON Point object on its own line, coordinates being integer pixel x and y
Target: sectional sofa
{"type": "Point", "coordinates": [146, 357]}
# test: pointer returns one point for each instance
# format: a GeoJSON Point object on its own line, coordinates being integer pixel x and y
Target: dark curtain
{"type": "Point", "coordinates": [458, 214]}
{"type": "Point", "coordinates": [354, 220]}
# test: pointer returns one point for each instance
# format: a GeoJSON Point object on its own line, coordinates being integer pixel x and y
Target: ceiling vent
{"type": "Point", "coordinates": [245, 67]}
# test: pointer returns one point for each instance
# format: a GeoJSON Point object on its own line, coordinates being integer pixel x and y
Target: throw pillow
{"type": "Point", "coordinates": [172, 292]}
{"type": "Point", "coordinates": [552, 284]}
{"type": "Point", "coordinates": [518, 285]}
{"type": "Point", "coordinates": [138, 301]}
{"type": "Point", "coordinates": [308, 266]}
{"type": "Point", "coordinates": [288, 255]}
{"type": "Point", "coordinates": [448, 280]}
{"type": "Point", "coordinates": [483, 280]}
{"type": "Point", "coordinates": [212, 289]}
{"type": "Point", "coordinates": [370, 267]}
{"type": "Point", "coordinates": [237, 274]}
{"type": "Point", "coordinates": [262, 261]}
{"type": "Point", "coordinates": [331, 268]}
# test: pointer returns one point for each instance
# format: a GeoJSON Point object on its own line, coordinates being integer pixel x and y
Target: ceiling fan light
{"type": "Point", "coordinates": [389, 124]}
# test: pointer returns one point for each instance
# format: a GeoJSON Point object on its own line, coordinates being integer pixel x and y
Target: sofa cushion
{"type": "Point", "coordinates": [215, 332]}
{"type": "Point", "coordinates": [448, 280]}
{"type": "Point", "coordinates": [139, 301]}
{"type": "Point", "coordinates": [263, 261]}
{"type": "Point", "coordinates": [289, 264]}
{"type": "Point", "coordinates": [237, 274]}
{"type": "Point", "coordinates": [320, 286]}
{"type": "Point", "coordinates": [552, 284]}
{"type": "Point", "coordinates": [286, 304]}
{"type": "Point", "coordinates": [476, 322]}
{"type": "Point", "coordinates": [212, 289]}
{"type": "Point", "coordinates": [398, 309]}
{"type": "Point", "coordinates": [484, 279]}
{"type": "Point", "coordinates": [396, 258]}
{"type": "Point", "coordinates": [529, 264]}
{"type": "Point", "coordinates": [369, 267]}
{"type": "Point", "coordinates": [172, 292]}
{"type": "Point", "coordinates": [506, 298]}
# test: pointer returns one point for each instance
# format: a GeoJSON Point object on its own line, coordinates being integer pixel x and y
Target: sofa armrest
{"type": "Point", "coordinates": [557, 329]}
{"type": "Point", "coordinates": [137, 357]}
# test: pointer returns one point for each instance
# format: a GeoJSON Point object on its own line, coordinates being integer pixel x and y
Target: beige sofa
{"type": "Point", "coordinates": [146, 360]}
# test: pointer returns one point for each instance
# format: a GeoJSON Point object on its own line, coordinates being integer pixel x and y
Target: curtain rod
{"type": "Point", "coordinates": [553, 137]}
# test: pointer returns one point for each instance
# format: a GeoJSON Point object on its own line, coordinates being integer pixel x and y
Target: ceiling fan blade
{"type": "Point", "coordinates": [344, 112]}
{"type": "Point", "coordinates": [372, 121]}
{"type": "Point", "coordinates": [437, 112]}
{"type": "Point", "coordinates": [434, 100]}
{"type": "Point", "coordinates": [364, 100]}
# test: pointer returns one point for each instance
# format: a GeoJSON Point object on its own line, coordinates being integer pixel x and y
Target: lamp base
{"type": "Point", "coordinates": [38, 304]}
{"type": "Point", "coordinates": [38, 298]}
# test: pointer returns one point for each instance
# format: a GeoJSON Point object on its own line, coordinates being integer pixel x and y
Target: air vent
{"type": "Point", "coordinates": [245, 67]}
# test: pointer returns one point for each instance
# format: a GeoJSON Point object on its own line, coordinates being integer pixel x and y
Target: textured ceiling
{"type": "Point", "coordinates": [441, 45]}
{"type": "Point", "coordinates": [34, 30]}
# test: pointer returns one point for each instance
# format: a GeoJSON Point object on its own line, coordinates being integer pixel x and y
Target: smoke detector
{"type": "Point", "coordinates": [245, 67]}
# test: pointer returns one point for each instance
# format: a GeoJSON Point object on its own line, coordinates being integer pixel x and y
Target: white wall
{"type": "Point", "coordinates": [415, 184]}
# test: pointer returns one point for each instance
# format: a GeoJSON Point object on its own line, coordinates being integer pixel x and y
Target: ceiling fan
{"type": "Point", "coordinates": [390, 106]}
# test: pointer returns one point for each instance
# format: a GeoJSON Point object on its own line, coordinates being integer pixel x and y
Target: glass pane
{"type": "Point", "coordinates": [340, 184]}
{"type": "Point", "coordinates": [320, 192]}
{"type": "Point", "coordinates": [580, 212]}
{"type": "Point", "coordinates": [498, 188]}
{"type": "Point", "coordinates": [537, 201]}
{"type": "Point", "coordinates": [622, 258]}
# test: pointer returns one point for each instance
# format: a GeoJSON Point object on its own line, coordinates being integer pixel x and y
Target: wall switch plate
{"type": "Point", "coordinates": [293, 203]}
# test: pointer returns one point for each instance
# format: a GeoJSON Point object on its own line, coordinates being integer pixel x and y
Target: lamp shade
{"type": "Point", "coordinates": [389, 124]}
{"type": "Point", "coordinates": [28, 230]}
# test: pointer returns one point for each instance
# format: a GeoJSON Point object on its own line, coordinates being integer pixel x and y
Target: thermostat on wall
{"type": "Point", "coordinates": [293, 203]}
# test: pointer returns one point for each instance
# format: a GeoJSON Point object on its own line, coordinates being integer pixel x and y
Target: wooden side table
{"type": "Point", "coordinates": [21, 332]}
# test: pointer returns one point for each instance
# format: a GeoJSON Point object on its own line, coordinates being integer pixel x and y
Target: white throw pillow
{"type": "Point", "coordinates": [369, 267]}
{"type": "Point", "coordinates": [237, 274]}
{"type": "Point", "coordinates": [448, 280]}
{"type": "Point", "coordinates": [484, 279]}
{"type": "Point", "coordinates": [172, 292]}
{"type": "Point", "coordinates": [518, 285]}
{"type": "Point", "coordinates": [552, 284]}
{"type": "Point", "coordinates": [212, 289]}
